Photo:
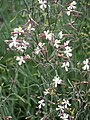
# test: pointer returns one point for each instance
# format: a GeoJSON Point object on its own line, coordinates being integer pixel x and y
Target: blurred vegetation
{"type": "Point", "coordinates": [20, 86]}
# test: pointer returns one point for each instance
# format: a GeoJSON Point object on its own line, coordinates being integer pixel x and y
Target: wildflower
{"type": "Point", "coordinates": [22, 46]}
{"type": "Point", "coordinates": [20, 49]}
{"type": "Point", "coordinates": [60, 34]}
{"type": "Point", "coordinates": [25, 44]}
{"type": "Point", "coordinates": [57, 80]}
{"type": "Point", "coordinates": [20, 59]}
{"type": "Point", "coordinates": [66, 43]}
{"type": "Point", "coordinates": [19, 30]}
{"type": "Point", "coordinates": [71, 7]}
{"type": "Point", "coordinates": [65, 65]}
{"type": "Point", "coordinates": [46, 92]}
{"type": "Point", "coordinates": [39, 47]}
{"type": "Point", "coordinates": [68, 51]}
{"type": "Point", "coordinates": [63, 105]}
{"type": "Point", "coordinates": [42, 4]}
{"type": "Point", "coordinates": [41, 103]}
{"type": "Point", "coordinates": [64, 116]}
{"type": "Point", "coordinates": [41, 44]}
{"type": "Point", "coordinates": [68, 13]}
{"type": "Point", "coordinates": [66, 103]}
{"type": "Point", "coordinates": [48, 35]}
{"type": "Point", "coordinates": [27, 56]}
{"type": "Point", "coordinates": [14, 42]}
{"type": "Point", "coordinates": [56, 43]}
{"type": "Point", "coordinates": [37, 50]}
{"type": "Point", "coordinates": [29, 28]}
{"type": "Point", "coordinates": [60, 107]}
{"type": "Point", "coordinates": [86, 64]}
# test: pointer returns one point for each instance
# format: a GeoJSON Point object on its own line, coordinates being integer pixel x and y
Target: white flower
{"type": "Point", "coordinates": [57, 80]}
{"type": "Point", "coordinates": [23, 46]}
{"type": "Point", "coordinates": [42, 4]}
{"type": "Point", "coordinates": [37, 50]}
{"type": "Point", "coordinates": [60, 34]}
{"type": "Point", "coordinates": [60, 107]}
{"type": "Point", "coordinates": [41, 103]}
{"type": "Point", "coordinates": [19, 30]}
{"type": "Point", "coordinates": [46, 92]}
{"type": "Point", "coordinates": [71, 7]}
{"type": "Point", "coordinates": [39, 47]}
{"type": "Point", "coordinates": [29, 28]}
{"type": "Point", "coordinates": [27, 56]}
{"type": "Point", "coordinates": [86, 64]}
{"type": "Point", "coordinates": [63, 105]}
{"type": "Point", "coordinates": [73, 4]}
{"type": "Point", "coordinates": [68, 51]}
{"type": "Point", "coordinates": [20, 60]}
{"type": "Point", "coordinates": [14, 42]}
{"type": "Point", "coordinates": [56, 43]}
{"type": "Point", "coordinates": [64, 116]}
{"type": "Point", "coordinates": [41, 44]}
{"type": "Point", "coordinates": [66, 43]}
{"type": "Point", "coordinates": [65, 65]}
{"type": "Point", "coordinates": [48, 35]}
{"type": "Point", "coordinates": [20, 48]}
{"type": "Point", "coordinates": [66, 103]}
{"type": "Point", "coordinates": [68, 13]}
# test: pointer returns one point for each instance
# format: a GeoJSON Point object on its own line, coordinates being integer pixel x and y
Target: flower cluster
{"type": "Point", "coordinates": [39, 48]}
{"type": "Point", "coordinates": [52, 51]}
{"type": "Point", "coordinates": [71, 7]}
{"type": "Point", "coordinates": [19, 43]}
{"type": "Point", "coordinates": [61, 108]}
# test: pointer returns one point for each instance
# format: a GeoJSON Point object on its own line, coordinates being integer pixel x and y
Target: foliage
{"type": "Point", "coordinates": [44, 60]}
